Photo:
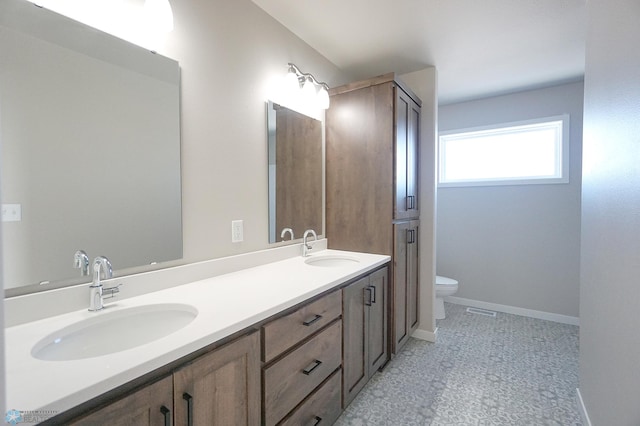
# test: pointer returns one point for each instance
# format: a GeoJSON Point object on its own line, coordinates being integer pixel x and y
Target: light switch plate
{"type": "Point", "coordinates": [237, 232]}
{"type": "Point", "coordinates": [11, 212]}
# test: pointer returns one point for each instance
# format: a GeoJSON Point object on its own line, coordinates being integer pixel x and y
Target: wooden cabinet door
{"type": "Point", "coordinates": [413, 274]}
{"type": "Point", "coordinates": [355, 299]}
{"type": "Point", "coordinates": [405, 312]}
{"type": "Point", "coordinates": [400, 332]}
{"type": "Point", "coordinates": [151, 405]}
{"type": "Point", "coordinates": [221, 387]}
{"type": "Point", "coordinates": [407, 138]}
{"type": "Point", "coordinates": [365, 331]}
{"type": "Point", "coordinates": [378, 331]}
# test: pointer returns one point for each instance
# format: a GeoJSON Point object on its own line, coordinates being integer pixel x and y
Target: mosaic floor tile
{"type": "Point", "coordinates": [503, 371]}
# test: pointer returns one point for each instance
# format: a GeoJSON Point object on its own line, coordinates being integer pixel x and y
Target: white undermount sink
{"type": "Point", "coordinates": [110, 332]}
{"type": "Point", "coordinates": [331, 261]}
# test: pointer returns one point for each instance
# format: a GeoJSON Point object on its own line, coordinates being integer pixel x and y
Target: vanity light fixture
{"type": "Point", "coordinates": [306, 85]}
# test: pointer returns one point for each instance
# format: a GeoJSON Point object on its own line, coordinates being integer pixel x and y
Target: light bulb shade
{"type": "Point", "coordinates": [323, 98]}
{"type": "Point", "coordinates": [291, 87]}
{"type": "Point", "coordinates": [309, 92]}
{"type": "Point", "coordinates": [159, 14]}
{"type": "Point", "coordinates": [291, 81]}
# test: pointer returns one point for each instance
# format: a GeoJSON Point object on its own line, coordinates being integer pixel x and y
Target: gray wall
{"type": "Point", "coordinates": [610, 264]}
{"type": "Point", "coordinates": [514, 245]}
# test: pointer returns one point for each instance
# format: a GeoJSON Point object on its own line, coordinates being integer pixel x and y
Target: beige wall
{"type": "Point", "coordinates": [610, 263]}
{"type": "Point", "coordinates": [230, 53]}
{"type": "Point", "coordinates": [515, 245]}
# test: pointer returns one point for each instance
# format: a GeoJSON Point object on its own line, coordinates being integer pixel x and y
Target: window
{"type": "Point", "coordinates": [531, 152]}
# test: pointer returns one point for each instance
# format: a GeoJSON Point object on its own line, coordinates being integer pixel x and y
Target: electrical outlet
{"type": "Point", "coordinates": [237, 232]}
{"type": "Point", "coordinates": [11, 212]}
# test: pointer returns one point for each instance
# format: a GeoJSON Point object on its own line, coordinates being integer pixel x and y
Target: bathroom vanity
{"type": "Point", "coordinates": [266, 347]}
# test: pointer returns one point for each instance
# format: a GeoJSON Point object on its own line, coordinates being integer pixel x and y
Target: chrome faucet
{"type": "Point", "coordinates": [305, 245]}
{"type": "Point", "coordinates": [101, 266]}
{"type": "Point", "coordinates": [285, 231]}
{"type": "Point", "coordinates": [81, 261]}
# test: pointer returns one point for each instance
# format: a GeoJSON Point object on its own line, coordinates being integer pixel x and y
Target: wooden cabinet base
{"type": "Point", "coordinates": [151, 405]}
{"type": "Point", "coordinates": [322, 407]}
{"type": "Point", "coordinates": [221, 388]}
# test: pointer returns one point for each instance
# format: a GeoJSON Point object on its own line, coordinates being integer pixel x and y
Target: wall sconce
{"type": "Point", "coordinates": [306, 86]}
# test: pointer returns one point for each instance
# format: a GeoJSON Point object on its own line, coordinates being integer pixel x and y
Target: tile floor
{"type": "Point", "coordinates": [507, 370]}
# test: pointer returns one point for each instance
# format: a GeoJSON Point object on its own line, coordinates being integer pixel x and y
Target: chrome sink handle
{"type": "Point", "coordinates": [109, 292]}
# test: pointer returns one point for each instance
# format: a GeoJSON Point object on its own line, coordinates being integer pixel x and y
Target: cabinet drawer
{"type": "Point", "coordinates": [290, 380]}
{"type": "Point", "coordinates": [322, 407]}
{"type": "Point", "coordinates": [283, 333]}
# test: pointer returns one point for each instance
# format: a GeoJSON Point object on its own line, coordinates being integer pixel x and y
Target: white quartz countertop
{"type": "Point", "coordinates": [226, 304]}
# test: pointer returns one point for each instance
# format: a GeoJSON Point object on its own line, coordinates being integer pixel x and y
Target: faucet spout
{"type": "Point", "coordinates": [306, 246]}
{"type": "Point", "coordinates": [286, 231]}
{"type": "Point", "coordinates": [81, 261]}
{"type": "Point", "coordinates": [101, 267]}
{"type": "Point", "coordinates": [101, 264]}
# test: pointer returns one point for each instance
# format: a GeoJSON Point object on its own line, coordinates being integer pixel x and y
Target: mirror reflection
{"type": "Point", "coordinates": [295, 173]}
{"type": "Point", "coordinates": [90, 139]}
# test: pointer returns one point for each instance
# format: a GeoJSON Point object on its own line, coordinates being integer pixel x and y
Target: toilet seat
{"type": "Point", "coordinates": [445, 281]}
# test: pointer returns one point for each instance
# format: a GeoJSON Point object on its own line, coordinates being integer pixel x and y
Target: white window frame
{"type": "Point", "coordinates": [562, 153]}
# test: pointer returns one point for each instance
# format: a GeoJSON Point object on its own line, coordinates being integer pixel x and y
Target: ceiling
{"type": "Point", "coordinates": [479, 47]}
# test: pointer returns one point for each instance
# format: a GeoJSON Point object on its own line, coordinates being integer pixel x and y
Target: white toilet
{"type": "Point", "coordinates": [444, 287]}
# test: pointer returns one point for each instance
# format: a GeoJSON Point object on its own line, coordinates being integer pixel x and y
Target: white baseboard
{"type": "Point", "coordinates": [583, 410]}
{"type": "Point", "coordinates": [429, 336]}
{"type": "Point", "coordinates": [549, 316]}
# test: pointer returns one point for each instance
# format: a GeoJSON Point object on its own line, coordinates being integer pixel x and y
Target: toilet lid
{"type": "Point", "coordinates": [445, 281]}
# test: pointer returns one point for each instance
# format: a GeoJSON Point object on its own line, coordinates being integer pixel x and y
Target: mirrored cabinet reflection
{"type": "Point", "coordinates": [295, 173]}
{"type": "Point", "coordinates": [90, 149]}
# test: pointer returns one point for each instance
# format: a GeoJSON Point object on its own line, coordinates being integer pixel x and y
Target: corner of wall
{"type": "Point", "coordinates": [424, 84]}
{"type": "Point", "coordinates": [582, 409]}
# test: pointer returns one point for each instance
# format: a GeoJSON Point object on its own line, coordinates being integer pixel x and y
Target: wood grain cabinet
{"type": "Point", "coordinates": [303, 357]}
{"type": "Point", "coordinates": [151, 405]}
{"type": "Point", "coordinates": [365, 331]}
{"type": "Point", "coordinates": [372, 177]}
{"type": "Point", "coordinates": [407, 134]}
{"type": "Point", "coordinates": [220, 388]}
{"type": "Point", "coordinates": [406, 270]}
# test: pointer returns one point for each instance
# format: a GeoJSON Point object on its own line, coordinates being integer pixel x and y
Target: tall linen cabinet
{"type": "Point", "coordinates": [372, 175]}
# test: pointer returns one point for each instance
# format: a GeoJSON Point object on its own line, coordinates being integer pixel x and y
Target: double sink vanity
{"type": "Point", "coordinates": [261, 345]}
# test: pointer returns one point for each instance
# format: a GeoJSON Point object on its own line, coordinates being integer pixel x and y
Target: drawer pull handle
{"type": "Point", "coordinates": [373, 294]}
{"type": "Point", "coordinates": [167, 415]}
{"type": "Point", "coordinates": [411, 202]}
{"type": "Point", "coordinates": [309, 369]}
{"type": "Point", "coordinates": [316, 421]}
{"type": "Point", "coordinates": [312, 320]}
{"type": "Point", "coordinates": [189, 400]}
{"type": "Point", "coordinates": [411, 236]}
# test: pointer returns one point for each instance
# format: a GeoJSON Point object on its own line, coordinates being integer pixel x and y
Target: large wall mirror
{"type": "Point", "coordinates": [295, 173]}
{"type": "Point", "coordinates": [90, 150]}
